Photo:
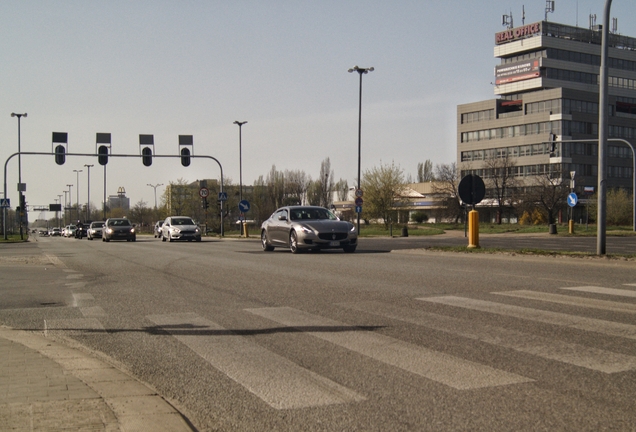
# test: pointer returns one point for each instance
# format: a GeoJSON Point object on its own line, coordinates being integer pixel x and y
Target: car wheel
{"type": "Point", "coordinates": [266, 246]}
{"type": "Point", "coordinates": [170, 239]}
{"type": "Point", "coordinates": [163, 238]}
{"type": "Point", "coordinates": [103, 239]}
{"type": "Point", "coordinates": [107, 240]}
{"type": "Point", "coordinates": [349, 249]}
{"type": "Point", "coordinates": [293, 243]}
{"type": "Point", "coordinates": [198, 239]}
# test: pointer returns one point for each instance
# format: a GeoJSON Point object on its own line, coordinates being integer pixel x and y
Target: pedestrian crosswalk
{"type": "Point", "coordinates": [284, 383]}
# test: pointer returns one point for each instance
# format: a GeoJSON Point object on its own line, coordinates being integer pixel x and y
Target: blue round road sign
{"type": "Point", "coordinates": [572, 199]}
{"type": "Point", "coordinates": [244, 206]}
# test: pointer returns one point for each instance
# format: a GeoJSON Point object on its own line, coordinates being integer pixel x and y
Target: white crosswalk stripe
{"type": "Point", "coordinates": [555, 318]}
{"type": "Point", "coordinates": [279, 382]}
{"type": "Point", "coordinates": [565, 352]}
{"type": "Point", "coordinates": [443, 368]}
{"type": "Point", "coordinates": [572, 301]}
{"type": "Point", "coordinates": [601, 290]}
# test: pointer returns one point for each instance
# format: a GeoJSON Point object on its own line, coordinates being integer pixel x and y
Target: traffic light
{"type": "Point", "coordinates": [146, 156]}
{"type": "Point", "coordinates": [60, 155]}
{"type": "Point", "coordinates": [185, 156]}
{"type": "Point", "coordinates": [204, 203]}
{"type": "Point", "coordinates": [103, 155]}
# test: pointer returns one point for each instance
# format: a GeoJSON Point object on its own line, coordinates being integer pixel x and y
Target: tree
{"type": "Point", "coordinates": [619, 205]}
{"type": "Point", "coordinates": [447, 181]}
{"type": "Point", "coordinates": [141, 214]}
{"type": "Point", "coordinates": [549, 192]}
{"type": "Point", "coordinates": [500, 179]}
{"type": "Point", "coordinates": [342, 188]}
{"type": "Point", "coordinates": [325, 183]}
{"type": "Point", "coordinates": [381, 187]}
{"type": "Point", "coordinates": [425, 171]}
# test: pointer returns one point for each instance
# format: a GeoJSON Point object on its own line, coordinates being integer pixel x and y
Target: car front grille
{"type": "Point", "coordinates": [332, 236]}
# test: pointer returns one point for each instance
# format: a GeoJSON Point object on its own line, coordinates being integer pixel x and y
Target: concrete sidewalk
{"type": "Point", "coordinates": [45, 385]}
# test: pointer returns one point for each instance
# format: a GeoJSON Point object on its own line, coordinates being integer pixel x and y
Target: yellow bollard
{"type": "Point", "coordinates": [571, 226]}
{"type": "Point", "coordinates": [473, 229]}
{"type": "Point", "coordinates": [245, 231]}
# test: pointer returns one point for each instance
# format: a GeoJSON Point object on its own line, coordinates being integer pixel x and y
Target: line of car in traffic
{"type": "Point", "coordinates": [297, 228]}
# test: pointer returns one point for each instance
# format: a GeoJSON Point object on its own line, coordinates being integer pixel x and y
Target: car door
{"type": "Point", "coordinates": [278, 227]}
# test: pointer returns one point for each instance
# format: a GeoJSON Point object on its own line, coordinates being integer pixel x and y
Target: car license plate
{"type": "Point", "coordinates": [334, 243]}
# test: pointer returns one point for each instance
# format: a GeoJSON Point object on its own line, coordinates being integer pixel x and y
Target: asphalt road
{"type": "Point", "coordinates": [240, 339]}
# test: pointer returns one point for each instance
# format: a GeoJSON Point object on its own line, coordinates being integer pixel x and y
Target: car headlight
{"type": "Point", "coordinates": [306, 230]}
{"type": "Point", "coordinates": [109, 230]}
{"type": "Point", "coordinates": [132, 230]}
{"type": "Point", "coordinates": [353, 228]}
{"type": "Point", "coordinates": [176, 230]}
{"type": "Point", "coordinates": [196, 230]}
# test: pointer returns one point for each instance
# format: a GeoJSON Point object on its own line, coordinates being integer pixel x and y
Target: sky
{"type": "Point", "coordinates": [187, 67]}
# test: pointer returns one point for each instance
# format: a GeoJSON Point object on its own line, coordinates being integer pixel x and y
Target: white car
{"type": "Point", "coordinates": [95, 230]}
{"type": "Point", "coordinates": [180, 228]}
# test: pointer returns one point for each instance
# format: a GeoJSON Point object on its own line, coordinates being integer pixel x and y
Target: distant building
{"type": "Point", "coordinates": [548, 83]}
{"type": "Point", "coordinates": [119, 201]}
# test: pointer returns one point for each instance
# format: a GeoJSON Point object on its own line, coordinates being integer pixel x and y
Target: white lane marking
{"type": "Point", "coordinates": [572, 301]}
{"type": "Point", "coordinates": [634, 284]}
{"type": "Point", "coordinates": [582, 323]}
{"type": "Point", "coordinates": [601, 290]}
{"type": "Point", "coordinates": [276, 380]}
{"type": "Point", "coordinates": [93, 311]}
{"type": "Point", "coordinates": [443, 368]}
{"type": "Point", "coordinates": [565, 352]}
{"type": "Point", "coordinates": [81, 299]}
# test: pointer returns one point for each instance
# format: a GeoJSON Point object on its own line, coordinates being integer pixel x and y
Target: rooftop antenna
{"type": "Point", "coordinates": [523, 14]}
{"type": "Point", "coordinates": [614, 26]}
{"type": "Point", "coordinates": [592, 21]}
{"type": "Point", "coordinates": [549, 7]}
{"type": "Point", "coordinates": [507, 21]}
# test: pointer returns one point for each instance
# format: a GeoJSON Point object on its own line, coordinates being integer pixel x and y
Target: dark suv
{"type": "Point", "coordinates": [118, 229]}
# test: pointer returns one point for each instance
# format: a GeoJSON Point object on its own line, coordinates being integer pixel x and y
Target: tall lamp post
{"type": "Point", "coordinates": [70, 204]}
{"type": "Point", "coordinates": [58, 213]}
{"type": "Point", "coordinates": [20, 188]}
{"type": "Point", "coordinates": [65, 207]}
{"type": "Point", "coordinates": [240, 125]}
{"type": "Point", "coordinates": [88, 199]}
{"type": "Point", "coordinates": [155, 188]}
{"type": "Point", "coordinates": [361, 71]}
{"type": "Point", "coordinates": [77, 193]}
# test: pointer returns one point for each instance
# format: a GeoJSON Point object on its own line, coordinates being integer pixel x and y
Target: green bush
{"type": "Point", "coordinates": [419, 217]}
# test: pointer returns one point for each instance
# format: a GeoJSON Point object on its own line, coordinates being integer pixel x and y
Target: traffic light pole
{"type": "Point", "coordinates": [4, 227]}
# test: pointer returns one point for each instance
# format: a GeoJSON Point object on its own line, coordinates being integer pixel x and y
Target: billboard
{"type": "Point", "coordinates": [519, 71]}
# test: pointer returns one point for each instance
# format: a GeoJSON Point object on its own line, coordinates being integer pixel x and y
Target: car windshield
{"type": "Point", "coordinates": [97, 224]}
{"type": "Point", "coordinates": [311, 214]}
{"type": "Point", "coordinates": [119, 222]}
{"type": "Point", "coordinates": [182, 221]}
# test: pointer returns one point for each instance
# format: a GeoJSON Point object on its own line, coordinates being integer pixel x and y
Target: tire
{"type": "Point", "coordinates": [349, 249]}
{"type": "Point", "coordinates": [266, 246]}
{"type": "Point", "coordinates": [163, 238]}
{"type": "Point", "coordinates": [293, 243]}
{"type": "Point", "coordinates": [107, 240]}
{"type": "Point", "coordinates": [170, 239]}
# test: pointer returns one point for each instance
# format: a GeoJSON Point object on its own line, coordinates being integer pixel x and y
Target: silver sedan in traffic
{"type": "Point", "coordinates": [305, 228]}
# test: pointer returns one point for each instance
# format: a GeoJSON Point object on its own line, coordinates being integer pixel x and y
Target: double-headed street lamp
{"type": "Point", "coordinates": [360, 71]}
{"type": "Point", "coordinates": [155, 188]}
{"type": "Point", "coordinates": [77, 192]}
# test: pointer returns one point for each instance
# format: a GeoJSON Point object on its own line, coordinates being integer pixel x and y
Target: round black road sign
{"type": "Point", "coordinates": [471, 189]}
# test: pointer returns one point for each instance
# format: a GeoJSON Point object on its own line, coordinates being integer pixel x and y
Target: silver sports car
{"type": "Point", "coordinates": [307, 227]}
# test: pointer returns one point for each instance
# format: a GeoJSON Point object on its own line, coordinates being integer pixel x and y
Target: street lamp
{"type": "Point", "coordinates": [155, 188]}
{"type": "Point", "coordinates": [88, 199]}
{"type": "Point", "coordinates": [20, 187]}
{"type": "Point", "coordinates": [70, 204]}
{"type": "Point", "coordinates": [240, 125]}
{"type": "Point", "coordinates": [58, 213]}
{"type": "Point", "coordinates": [77, 192]}
{"type": "Point", "coordinates": [360, 71]}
